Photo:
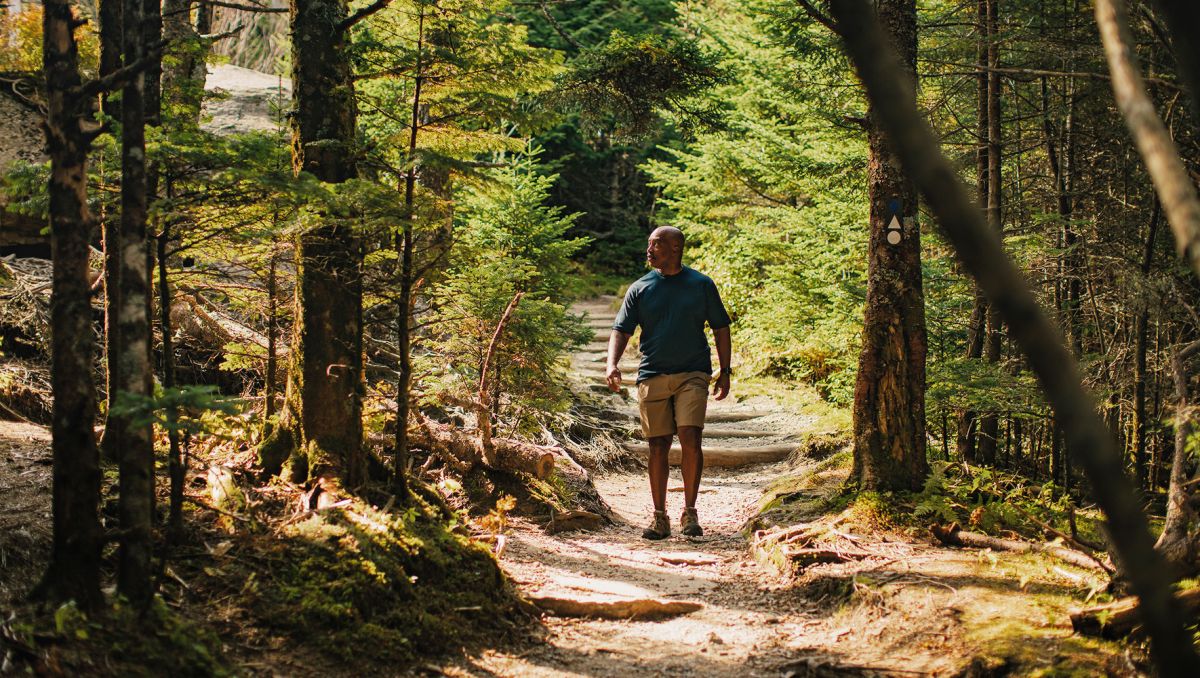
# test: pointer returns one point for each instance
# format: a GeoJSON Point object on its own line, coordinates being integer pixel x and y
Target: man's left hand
{"type": "Point", "coordinates": [721, 386]}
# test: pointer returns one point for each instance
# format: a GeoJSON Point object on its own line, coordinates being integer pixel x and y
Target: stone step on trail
{"type": "Point", "coordinates": [725, 456]}
{"type": "Point", "coordinates": [718, 415]}
{"type": "Point", "coordinates": [712, 433]}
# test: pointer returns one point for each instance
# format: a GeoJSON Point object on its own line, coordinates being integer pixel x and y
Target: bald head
{"type": "Point", "coordinates": [672, 235]}
{"type": "Point", "coordinates": [665, 250]}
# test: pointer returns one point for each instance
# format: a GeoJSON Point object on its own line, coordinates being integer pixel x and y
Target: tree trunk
{"type": "Point", "coordinates": [889, 396]}
{"type": "Point", "coordinates": [134, 376]}
{"type": "Point", "coordinates": [989, 426]}
{"type": "Point", "coordinates": [321, 426]}
{"type": "Point", "coordinates": [967, 424]}
{"type": "Point", "coordinates": [1141, 336]}
{"type": "Point", "coordinates": [176, 469]}
{"type": "Point", "coordinates": [183, 80]}
{"type": "Point", "coordinates": [272, 377]}
{"type": "Point", "coordinates": [110, 14]}
{"type": "Point", "coordinates": [1178, 541]}
{"type": "Point", "coordinates": [74, 569]}
{"type": "Point", "coordinates": [404, 247]}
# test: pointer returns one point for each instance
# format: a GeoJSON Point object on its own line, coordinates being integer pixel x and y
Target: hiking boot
{"type": "Point", "coordinates": [690, 523]}
{"type": "Point", "coordinates": [660, 527]}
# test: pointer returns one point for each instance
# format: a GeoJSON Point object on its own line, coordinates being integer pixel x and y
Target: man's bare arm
{"type": "Point", "coordinates": [724, 351]}
{"type": "Point", "coordinates": [617, 341]}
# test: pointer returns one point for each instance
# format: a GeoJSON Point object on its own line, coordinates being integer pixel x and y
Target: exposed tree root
{"type": "Point", "coordinates": [615, 608]}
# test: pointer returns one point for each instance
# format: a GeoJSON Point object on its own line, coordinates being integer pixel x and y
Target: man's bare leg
{"type": "Point", "coordinates": [660, 526]}
{"type": "Point", "coordinates": [693, 463]}
{"type": "Point", "coordinates": [660, 448]}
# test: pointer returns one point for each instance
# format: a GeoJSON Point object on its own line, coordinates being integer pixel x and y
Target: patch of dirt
{"type": "Point", "coordinates": [25, 532]}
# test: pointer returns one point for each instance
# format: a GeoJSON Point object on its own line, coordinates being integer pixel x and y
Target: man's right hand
{"type": "Point", "coordinates": [613, 376]}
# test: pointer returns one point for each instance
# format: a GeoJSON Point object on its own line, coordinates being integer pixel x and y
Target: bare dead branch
{"type": "Point", "coordinates": [363, 13]}
{"type": "Point", "coordinates": [818, 16]}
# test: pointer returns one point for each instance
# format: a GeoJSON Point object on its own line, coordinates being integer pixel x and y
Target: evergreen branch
{"type": "Point", "coordinates": [363, 13]}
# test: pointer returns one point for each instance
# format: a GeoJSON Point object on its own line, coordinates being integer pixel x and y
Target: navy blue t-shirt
{"type": "Point", "coordinates": [672, 310]}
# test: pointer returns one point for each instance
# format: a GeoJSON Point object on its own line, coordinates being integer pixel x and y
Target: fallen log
{"type": "Point", "coordinates": [465, 450]}
{"type": "Point", "coordinates": [615, 608]}
{"type": "Point", "coordinates": [951, 535]}
{"type": "Point", "coordinates": [209, 328]}
{"type": "Point", "coordinates": [1120, 618]}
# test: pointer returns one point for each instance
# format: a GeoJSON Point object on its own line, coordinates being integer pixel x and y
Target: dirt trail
{"type": "Point", "coordinates": [744, 624]}
{"type": "Point", "coordinates": [916, 609]}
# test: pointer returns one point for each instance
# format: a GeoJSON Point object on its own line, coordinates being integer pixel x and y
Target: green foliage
{"type": "Point", "coordinates": [775, 206]}
{"type": "Point", "coordinates": [186, 409]}
{"type": "Point", "coordinates": [510, 242]}
{"type": "Point", "coordinates": [629, 78]}
{"type": "Point", "coordinates": [993, 501]}
{"type": "Point", "coordinates": [370, 587]}
{"type": "Point", "coordinates": [121, 641]}
{"type": "Point", "coordinates": [474, 67]}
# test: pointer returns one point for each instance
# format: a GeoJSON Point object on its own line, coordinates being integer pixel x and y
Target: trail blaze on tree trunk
{"type": "Point", "coordinates": [74, 570]}
{"type": "Point", "coordinates": [322, 419]}
{"type": "Point", "coordinates": [889, 395]}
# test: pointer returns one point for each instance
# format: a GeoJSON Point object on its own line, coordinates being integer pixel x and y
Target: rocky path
{"type": "Point", "coordinates": [743, 623]}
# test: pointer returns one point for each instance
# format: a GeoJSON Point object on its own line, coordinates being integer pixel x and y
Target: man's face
{"type": "Point", "coordinates": [658, 251]}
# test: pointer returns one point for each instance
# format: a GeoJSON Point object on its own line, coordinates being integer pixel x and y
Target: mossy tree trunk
{"type": "Point", "coordinates": [74, 569]}
{"type": "Point", "coordinates": [889, 395]}
{"type": "Point", "coordinates": [321, 425]}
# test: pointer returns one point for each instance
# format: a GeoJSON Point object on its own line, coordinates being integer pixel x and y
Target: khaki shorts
{"type": "Point", "coordinates": [668, 401]}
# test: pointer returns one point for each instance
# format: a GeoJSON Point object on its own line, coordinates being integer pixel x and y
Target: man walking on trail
{"type": "Point", "coordinates": [671, 304]}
